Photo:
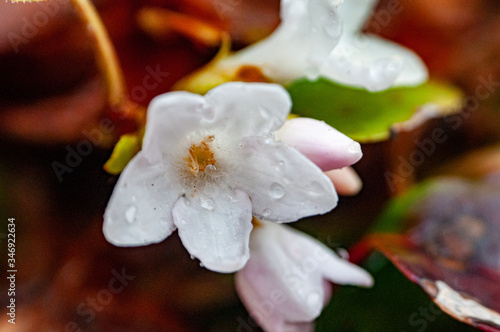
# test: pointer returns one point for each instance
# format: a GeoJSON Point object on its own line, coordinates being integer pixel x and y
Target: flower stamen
{"type": "Point", "coordinates": [200, 156]}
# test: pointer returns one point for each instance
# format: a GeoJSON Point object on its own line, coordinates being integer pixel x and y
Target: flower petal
{"type": "Point", "coordinates": [346, 181]}
{"type": "Point", "coordinates": [355, 13]}
{"type": "Point", "coordinates": [339, 270]}
{"type": "Point", "coordinates": [368, 61]}
{"type": "Point", "coordinates": [282, 183]}
{"type": "Point", "coordinates": [139, 211]}
{"type": "Point", "coordinates": [281, 274]}
{"type": "Point", "coordinates": [249, 109]}
{"type": "Point", "coordinates": [229, 111]}
{"type": "Point", "coordinates": [214, 226]}
{"type": "Point", "coordinates": [171, 117]}
{"type": "Point", "coordinates": [373, 63]}
{"type": "Point", "coordinates": [323, 145]}
{"type": "Point", "coordinates": [262, 309]}
{"type": "Point", "coordinates": [309, 30]}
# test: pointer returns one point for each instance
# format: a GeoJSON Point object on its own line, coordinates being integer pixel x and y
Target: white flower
{"type": "Point", "coordinates": [369, 61]}
{"type": "Point", "coordinates": [207, 165]}
{"type": "Point", "coordinates": [283, 285]}
{"type": "Point", "coordinates": [319, 38]}
{"type": "Point", "coordinates": [309, 30]}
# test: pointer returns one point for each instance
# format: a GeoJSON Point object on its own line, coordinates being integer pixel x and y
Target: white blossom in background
{"type": "Point", "coordinates": [323, 38]}
{"type": "Point", "coordinates": [367, 60]}
{"type": "Point", "coordinates": [207, 165]}
{"type": "Point", "coordinates": [299, 46]}
{"type": "Point", "coordinates": [285, 284]}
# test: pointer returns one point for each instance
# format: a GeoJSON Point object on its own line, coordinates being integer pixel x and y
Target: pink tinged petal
{"type": "Point", "coordinates": [346, 181]}
{"type": "Point", "coordinates": [283, 285]}
{"type": "Point", "coordinates": [215, 227]}
{"type": "Point", "coordinates": [323, 145]}
{"type": "Point", "coordinates": [340, 271]}
{"type": "Point", "coordinates": [139, 211]}
{"type": "Point", "coordinates": [249, 109]}
{"type": "Point", "coordinates": [263, 309]}
{"type": "Point", "coordinates": [281, 278]}
{"type": "Point", "coordinates": [283, 184]}
{"type": "Point", "coordinates": [329, 265]}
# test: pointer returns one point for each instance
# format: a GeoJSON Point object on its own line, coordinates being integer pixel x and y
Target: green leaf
{"type": "Point", "coordinates": [126, 148]}
{"type": "Point", "coordinates": [394, 217]}
{"type": "Point", "coordinates": [368, 116]}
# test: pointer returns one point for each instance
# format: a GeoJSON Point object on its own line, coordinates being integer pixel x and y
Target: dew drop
{"type": "Point", "coordinates": [277, 190]}
{"type": "Point", "coordinates": [210, 169]}
{"type": "Point", "coordinates": [266, 212]}
{"type": "Point", "coordinates": [208, 204]}
{"type": "Point", "coordinates": [130, 214]}
{"type": "Point", "coordinates": [192, 257]}
{"type": "Point", "coordinates": [201, 264]}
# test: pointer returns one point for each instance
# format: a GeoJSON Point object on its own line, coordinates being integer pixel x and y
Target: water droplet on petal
{"type": "Point", "coordinates": [208, 204]}
{"type": "Point", "coordinates": [210, 169]}
{"type": "Point", "coordinates": [266, 212]}
{"type": "Point", "coordinates": [201, 264]}
{"type": "Point", "coordinates": [130, 214]}
{"type": "Point", "coordinates": [192, 257]}
{"type": "Point", "coordinates": [277, 190]}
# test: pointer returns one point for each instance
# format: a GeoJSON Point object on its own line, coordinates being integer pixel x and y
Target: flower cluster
{"type": "Point", "coordinates": [227, 169]}
{"type": "Point", "coordinates": [320, 38]}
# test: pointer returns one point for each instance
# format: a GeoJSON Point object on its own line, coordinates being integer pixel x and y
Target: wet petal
{"type": "Point", "coordinates": [346, 181]}
{"type": "Point", "coordinates": [282, 273]}
{"type": "Point", "coordinates": [214, 226]}
{"type": "Point", "coordinates": [374, 63]}
{"type": "Point", "coordinates": [139, 211]}
{"type": "Point", "coordinates": [323, 145]}
{"type": "Point", "coordinates": [282, 183]}
{"type": "Point", "coordinates": [368, 61]}
{"type": "Point", "coordinates": [248, 109]}
{"type": "Point", "coordinates": [263, 312]}
{"type": "Point", "coordinates": [309, 30]}
{"type": "Point", "coordinates": [229, 112]}
{"type": "Point", "coordinates": [171, 117]}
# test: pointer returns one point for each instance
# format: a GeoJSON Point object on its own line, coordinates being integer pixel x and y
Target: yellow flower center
{"type": "Point", "coordinates": [200, 156]}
